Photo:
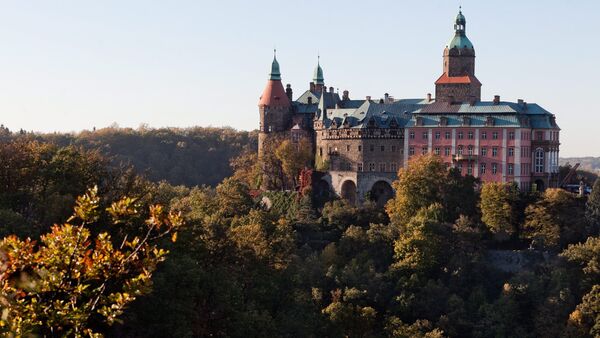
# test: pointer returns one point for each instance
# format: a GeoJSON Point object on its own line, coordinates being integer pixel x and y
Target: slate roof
{"type": "Point", "coordinates": [404, 112]}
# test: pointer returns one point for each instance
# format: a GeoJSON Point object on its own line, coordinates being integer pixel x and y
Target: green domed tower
{"type": "Point", "coordinates": [458, 83]}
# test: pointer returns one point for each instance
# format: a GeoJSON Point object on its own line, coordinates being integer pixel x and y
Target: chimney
{"type": "Point", "coordinates": [520, 102]}
{"type": "Point", "coordinates": [428, 97]}
{"type": "Point", "coordinates": [288, 91]}
{"type": "Point", "coordinates": [331, 89]}
{"type": "Point", "coordinates": [312, 87]}
{"type": "Point", "coordinates": [496, 99]}
{"type": "Point", "coordinates": [381, 101]}
{"type": "Point", "coordinates": [346, 95]}
{"type": "Point", "coordinates": [386, 97]}
{"type": "Point", "coordinates": [368, 97]}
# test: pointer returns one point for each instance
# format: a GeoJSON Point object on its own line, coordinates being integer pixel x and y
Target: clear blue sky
{"type": "Point", "coordinates": [72, 65]}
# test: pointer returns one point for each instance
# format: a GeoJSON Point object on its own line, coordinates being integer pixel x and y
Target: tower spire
{"type": "Point", "coordinates": [275, 73]}
{"type": "Point", "coordinates": [318, 75]}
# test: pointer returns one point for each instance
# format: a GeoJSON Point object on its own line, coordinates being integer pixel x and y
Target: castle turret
{"type": "Point", "coordinates": [458, 82]}
{"type": "Point", "coordinates": [318, 83]}
{"type": "Point", "coordinates": [274, 106]}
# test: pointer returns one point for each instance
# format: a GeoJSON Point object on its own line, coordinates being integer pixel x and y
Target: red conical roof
{"type": "Point", "coordinates": [274, 95]}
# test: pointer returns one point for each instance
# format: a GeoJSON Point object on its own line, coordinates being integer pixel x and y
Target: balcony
{"type": "Point", "coordinates": [465, 157]}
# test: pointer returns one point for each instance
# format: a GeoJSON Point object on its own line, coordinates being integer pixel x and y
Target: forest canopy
{"type": "Point", "coordinates": [122, 255]}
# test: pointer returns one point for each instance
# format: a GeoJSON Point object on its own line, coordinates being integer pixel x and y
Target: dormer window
{"type": "Point", "coordinates": [489, 121]}
{"type": "Point", "coordinates": [419, 121]}
{"type": "Point", "coordinates": [443, 121]}
{"type": "Point", "coordinates": [466, 121]}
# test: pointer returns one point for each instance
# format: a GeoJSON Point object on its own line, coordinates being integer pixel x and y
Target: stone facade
{"type": "Point", "coordinates": [361, 144]}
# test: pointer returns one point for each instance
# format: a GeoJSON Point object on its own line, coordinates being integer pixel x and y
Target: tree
{"type": "Point", "coordinates": [585, 319]}
{"type": "Point", "coordinates": [593, 206]}
{"type": "Point", "coordinates": [74, 282]}
{"type": "Point", "coordinates": [427, 181]}
{"type": "Point", "coordinates": [422, 241]}
{"type": "Point", "coordinates": [294, 157]}
{"type": "Point", "coordinates": [497, 208]}
{"type": "Point", "coordinates": [419, 329]}
{"type": "Point", "coordinates": [555, 220]}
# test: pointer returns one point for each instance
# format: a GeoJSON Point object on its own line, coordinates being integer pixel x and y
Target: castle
{"type": "Point", "coordinates": [361, 144]}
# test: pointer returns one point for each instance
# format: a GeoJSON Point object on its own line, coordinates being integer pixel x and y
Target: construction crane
{"type": "Point", "coordinates": [567, 178]}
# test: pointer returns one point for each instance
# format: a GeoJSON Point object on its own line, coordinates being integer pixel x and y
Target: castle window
{"type": "Point", "coordinates": [482, 169]}
{"type": "Point", "coordinates": [347, 147]}
{"type": "Point", "coordinates": [393, 167]}
{"type": "Point", "coordinates": [460, 135]}
{"type": "Point", "coordinates": [459, 167]}
{"type": "Point", "coordinates": [382, 167]}
{"type": "Point", "coordinates": [484, 151]}
{"type": "Point", "coordinates": [495, 135]}
{"type": "Point", "coordinates": [483, 135]}
{"type": "Point", "coordinates": [447, 135]}
{"type": "Point", "coordinates": [470, 150]}
{"type": "Point", "coordinates": [511, 135]}
{"type": "Point", "coordinates": [321, 151]}
{"type": "Point", "coordinates": [372, 147]}
{"type": "Point", "coordinates": [425, 134]}
{"type": "Point", "coordinates": [539, 135]}
{"type": "Point", "coordinates": [359, 166]}
{"type": "Point", "coordinates": [359, 148]}
{"type": "Point", "coordinates": [511, 152]}
{"type": "Point", "coordinates": [411, 151]}
{"type": "Point", "coordinates": [470, 135]}
{"type": "Point", "coordinates": [470, 169]}
{"type": "Point", "coordinates": [494, 151]}
{"type": "Point", "coordinates": [437, 151]}
{"type": "Point", "coordinates": [539, 160]}
{"type": "Point", "coordinates": [510, 169]}
{"type": "Point", "coordinates": [412, 134]}
{"type": "Point", "coordinates": [437, 135]}
{"type": "Point", "coordinates": [424, 150]}
{"type": "Point", "coordinates": [447, 151]}
{"type": "Point", "coordinates": [371, 166]}
{"type": "Point", "coordinates": [460, 150]}
{"type": "Point", "coordinates": [494, 168]}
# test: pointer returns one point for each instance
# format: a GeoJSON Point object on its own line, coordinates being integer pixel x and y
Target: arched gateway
{"type": "Point", "coordinates": [349, 191]}
{"type": "Point", "coordinates": [381, 192]}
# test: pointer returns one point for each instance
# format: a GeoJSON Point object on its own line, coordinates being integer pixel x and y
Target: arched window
{"type": "Point", "coordinates": [539, 160]}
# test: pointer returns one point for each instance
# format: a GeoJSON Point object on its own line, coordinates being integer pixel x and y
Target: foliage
{"type": "Point", "coordinates": [72, 282]}
{"type": "Point", "coordinates": [188, 156]}
{"type": "Point", "coordinates": [593, 206]}
{"type": "Point", "coordinates": [427, 181]}
{"type": "Point", "coordinates": [497, 205]}
{"type": "Point", "coordinates": [556, 220]}
{"type": "Point", "coordinates": [294, 157]}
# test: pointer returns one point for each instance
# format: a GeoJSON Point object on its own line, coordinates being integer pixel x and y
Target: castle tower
{"type": "Point", "coordinates": [458, 82]}
{"type": "Point", "coordinates": [274, 107]}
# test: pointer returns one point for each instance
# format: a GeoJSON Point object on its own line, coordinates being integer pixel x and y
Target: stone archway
{"type": "Point", "coordinates": [539, 185]}
{"type": "Point", "coordinates": [381, 192]}
{"type": "Point", "coordinates": [349, 192]}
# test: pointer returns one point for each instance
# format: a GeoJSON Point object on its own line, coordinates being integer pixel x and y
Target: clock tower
{"type": "Point", "coordinates": [458, 82]}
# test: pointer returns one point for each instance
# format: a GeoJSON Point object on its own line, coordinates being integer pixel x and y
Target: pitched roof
{"type": "Point", "coordinates": [466, 79]}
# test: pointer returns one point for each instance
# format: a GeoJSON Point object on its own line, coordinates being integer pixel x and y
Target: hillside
{"type": "Point", "coordinates": [188, 156]}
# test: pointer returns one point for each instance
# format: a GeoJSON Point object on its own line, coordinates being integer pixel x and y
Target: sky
{"type": "Point", "coordinates": [74, 65]}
